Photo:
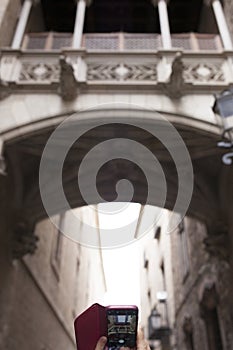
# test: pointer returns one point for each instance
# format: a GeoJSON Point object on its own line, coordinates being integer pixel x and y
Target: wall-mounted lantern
{"type": "Point", "coordinates": [223, 108]}
{"type": "Point", "coordinates": [157, 329]}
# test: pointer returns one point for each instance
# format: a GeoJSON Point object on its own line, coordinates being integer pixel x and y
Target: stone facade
{"type": "Point", "coordinates": [38, 91]}
{"type": "Point", "coordinates": [46, 291]}
{"type": "Point", "coordinates": [156, 277]}
{"type": "Point", "coordinates": [203, 272]}
{"type": "Point", "coordinates": [197, 280]}
{"type": "Point", "coordinates": [9, 12]}
{"type": "Point", "coordinates": [228, 10]}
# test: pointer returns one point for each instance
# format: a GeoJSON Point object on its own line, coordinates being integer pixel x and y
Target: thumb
{"type": "Point", "coordinates": [101, 343]}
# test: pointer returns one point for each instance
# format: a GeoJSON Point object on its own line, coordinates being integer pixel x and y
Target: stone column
{"type": "Point", "coordinates": [23, 19]}
{"type": "Point", "coordinates": [164, 23]}
{"type": "Point", "coordinates": [221, 23]}
{"type": "Point", "coordinates": [79, 22]}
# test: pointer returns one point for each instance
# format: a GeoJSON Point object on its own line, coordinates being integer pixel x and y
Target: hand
{"type": "Point", "coordinates": [142, 344]}
{"type": "Point", "coordinates": [101, 343]}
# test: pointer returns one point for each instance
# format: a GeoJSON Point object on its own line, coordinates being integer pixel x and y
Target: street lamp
{"type": "Point", "coordinates": [154, 324]}
{"type": "Point", "coordinates": [158, 327]}
{"type": "Point", "coordinates": [223, 108]}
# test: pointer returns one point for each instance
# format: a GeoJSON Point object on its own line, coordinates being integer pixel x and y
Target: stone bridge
{"type": "Point", "coordinates": [39, 90]}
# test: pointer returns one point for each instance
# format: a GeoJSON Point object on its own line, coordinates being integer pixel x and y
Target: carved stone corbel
{"type": "Point", "coordinates": [188, 325]}
{"type": "Point", "coordinates": [175, 84]}
{"type": "Point", "coordinates": [209, 298]}
{"type": "Point", "coordinates": [24, 240]}
{"type": "Point", "coordinates": [4, 89]}
{"type": "Point", "coordinates": [218, 246]}
{"type": "Point", "coordinates": [68, 84]}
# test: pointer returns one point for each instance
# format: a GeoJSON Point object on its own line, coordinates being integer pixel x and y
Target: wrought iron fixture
{"type": "Point", "coordinates": [157, 329]}
{"type": "Point", "coordinates": [223, 109]}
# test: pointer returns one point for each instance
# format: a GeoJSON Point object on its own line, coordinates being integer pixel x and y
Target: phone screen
{"type": "Point", "coordinates": [122, 328]}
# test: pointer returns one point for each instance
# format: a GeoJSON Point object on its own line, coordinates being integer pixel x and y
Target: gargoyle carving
{"type": "Point", "coordinates": [24, 240]}
{"type": "Point", "coordinates": [68, 83]}
{"type": "Point", "coordinates": [210, 297]}
{"type": "Point", "coordinates": [218, 246]}
{"type": "Point", "coordinates": [176, 81]}
{"type": "Point", "coordinates": [188, 325]}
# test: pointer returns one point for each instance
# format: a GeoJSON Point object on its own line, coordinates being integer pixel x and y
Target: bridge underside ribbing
{"type": "Point", "coordinates": [24, 154]}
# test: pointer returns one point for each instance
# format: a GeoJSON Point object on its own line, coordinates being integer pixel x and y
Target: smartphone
{"type": "Point", "coordinates": [122, 323]}
{"type": "Point", "coordinates": [117, 323]}
{"type": "Point", "coordinates": [90, 326]}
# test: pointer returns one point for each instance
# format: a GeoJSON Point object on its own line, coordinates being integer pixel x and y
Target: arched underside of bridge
{"type": "Point", "coordinates": [23, 152]}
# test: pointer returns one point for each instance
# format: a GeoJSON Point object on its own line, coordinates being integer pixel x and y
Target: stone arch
{"type": "Point", "coordinates": [24, 145]}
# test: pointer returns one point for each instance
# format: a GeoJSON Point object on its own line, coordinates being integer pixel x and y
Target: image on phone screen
{"type": "Point", "coordinates": [122, 328]}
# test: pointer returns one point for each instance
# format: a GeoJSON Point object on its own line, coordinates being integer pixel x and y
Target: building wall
{"type": "Point", "coordinates": [186, 280]}
{"type": "Point", "coordinates": [204, 270]}
{"type": "Point", "coordinates": [9, 12]}
{"type": "Point", "coordinates": [155, 253]}
{"type": "Point", "coordinates": [47, 293]}
{"type": "Point", "coordinates": [228, 10]}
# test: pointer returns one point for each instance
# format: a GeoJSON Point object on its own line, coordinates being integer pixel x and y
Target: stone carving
{"type": "Point", "coordinates": [175, 84]}
{"type": "Point", "coordinates": [122, 72]}
{"type": "Point", "coordinates": [203, 72]}
{"type": "Point", "coordinates": [39, 72]}
{"type": "Point", "coordinates": [218, 246]}
{"type": "Point", "coordinates": [188, 325]}
{"type": "Point", "coordinates": [68, 83]}
{"type": "Point", "coordinates": [24, 240]}
{"type": "Point", "coordinates": [209, 299]}
{"type": "Point", "coordinates": [4, 89]}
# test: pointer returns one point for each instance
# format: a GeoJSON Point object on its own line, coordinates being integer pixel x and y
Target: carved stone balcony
{"type": "Point", "coordinates": [196, 63]}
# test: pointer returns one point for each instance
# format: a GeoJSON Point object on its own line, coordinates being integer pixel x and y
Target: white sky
{"type": "Point", "coordinates": [121, 265]}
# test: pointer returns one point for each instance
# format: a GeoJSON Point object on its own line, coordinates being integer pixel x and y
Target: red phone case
{"type": "Point", "coordinates": [90, 326]}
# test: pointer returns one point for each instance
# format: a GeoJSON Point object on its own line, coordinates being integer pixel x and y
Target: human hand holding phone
{"type": "Point", "coordinates": [117, 323]}
{"type": "Point", "coordinates": [142, 344]}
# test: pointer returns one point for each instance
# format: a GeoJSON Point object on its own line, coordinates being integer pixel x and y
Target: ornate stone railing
{"type": "Point", "coordinates": [172, 72]}
{"type": "Point", "coordinates": [122, 41]}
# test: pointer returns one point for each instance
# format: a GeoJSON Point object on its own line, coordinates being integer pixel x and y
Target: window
{"type": "Point", "coordinates": [188, 331]}
{"type": "Point", "coordinates": [209, 313]}
{"type": "Point", "coordinates": [157, 233]}
{"type": "Point", "coordinates": [75, 302]}
{"type": "Point", "coordinates": [183, 249]}
{"type": "Point", "coordinates": [163, 276]}
{"type": "Point", "coordinates": [56, 256]}
{"type": "Point", "coordinates": [146, 261]}
{"type": "Point", "coordinates": [213, 330]}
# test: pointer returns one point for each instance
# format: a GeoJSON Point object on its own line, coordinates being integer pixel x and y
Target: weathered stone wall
{"type": "Point", "coordinates": [9, 12]}
{"type": "Point", "coordinates": [157, 252]}
{"type": "Point", "coordinates": [203, 271]}
{"type": "Point", "coordinates": [7, 273]}
{"type": "Point", "coordinates": [39, 300]}
{"type": "Point", "coordinates": [228, 9]}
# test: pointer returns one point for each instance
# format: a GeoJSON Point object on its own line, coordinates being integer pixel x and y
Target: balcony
{"type": "Point", "coordinates": [122, 42]}
{"type": "Point", "coordinates": [119, 61]}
